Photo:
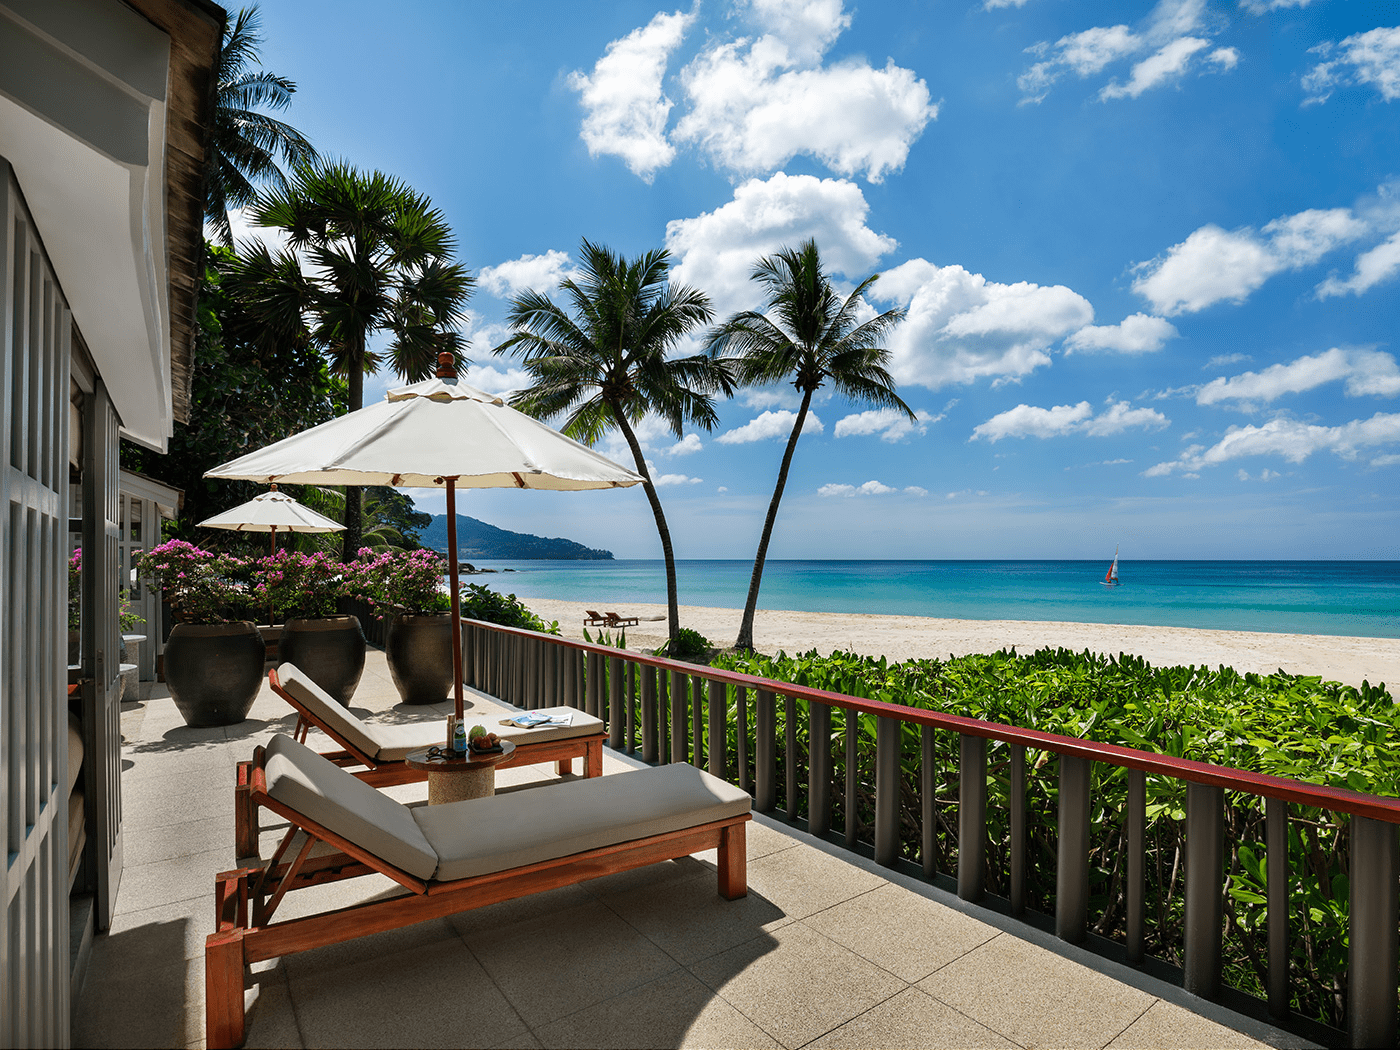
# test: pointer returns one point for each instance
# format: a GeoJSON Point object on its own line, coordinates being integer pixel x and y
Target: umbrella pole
{"type": "Point", "coordinates": [456, 603]}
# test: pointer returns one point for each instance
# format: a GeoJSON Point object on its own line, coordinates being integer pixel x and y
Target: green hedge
{"type": "Point", "coordinates": [1287, 725]}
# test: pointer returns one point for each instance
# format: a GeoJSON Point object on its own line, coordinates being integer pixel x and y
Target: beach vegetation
{"type": "Point", "coordinates": [366, 255]}
{"type": "Point", "coordinates": [806, 335]}
{"type": "Point", "coordinates": [1286, 725]}
{"type": "Point", "coordinates": [603, 363]}
{"type": "Point", "coordinates": [688, 644]}
{"type": "Point", "coordinates": [244, 141]}
{"type": "Point", "coordinates": [479, 602]}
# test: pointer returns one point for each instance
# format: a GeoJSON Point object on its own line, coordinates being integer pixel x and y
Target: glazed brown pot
{"type": "Point", "coordinates": [214, 671]}
{"type": "Point", "coordinates": [419, 652]}
{"type": "Point", "coordinates": [330, 651]}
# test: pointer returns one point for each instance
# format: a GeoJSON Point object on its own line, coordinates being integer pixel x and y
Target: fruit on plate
{"type": "Point", "coordinates": [485, 742]}
{"type": "Point", "coordinates": [476, 731]}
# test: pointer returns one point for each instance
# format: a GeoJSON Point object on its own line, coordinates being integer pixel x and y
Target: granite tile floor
{"type": "Point", "coordinates": [827, 950]}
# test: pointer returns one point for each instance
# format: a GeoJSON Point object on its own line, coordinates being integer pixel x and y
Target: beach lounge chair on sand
{"type": "Point", "coordinates": [594, 619]}
{"type": "Point", "coordinates": [380, 749]}
{"type": "Point", "coordinates": [450, 858]}
{"type": "Point", "coordinates": [615, 620]}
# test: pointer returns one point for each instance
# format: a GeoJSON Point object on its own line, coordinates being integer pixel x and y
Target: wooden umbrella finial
{"type": "Point", "coordinates": [446, 365]}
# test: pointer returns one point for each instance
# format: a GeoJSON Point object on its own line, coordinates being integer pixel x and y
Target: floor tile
{"type": "Point", "coordinates": [914, 1021]}
{"type": "Point", "coordinates": [795, 984]}
{"type": "Point", "coordinates": [126, 1007]}
{"type": "Point", "coordinates": [560, 964]}
{"type": "Point", "coordinates": [155, 937]}
{"type": "Point", "coordinates": [181, 878]}
{"type": "Point", "coordinates": [1165, 1024]}
{"type": "Point", "coordinates": [270, 1018]}
{"type": "Point", "coordinates": [153, 844]}
{"type": "Point", "coordinates": [690, 921]}
{"type": "Point", "coordinates": [674, 1010]}
{"type": "Point", "coordinates": [1035, 997]}
{"type": "Point", "coordinates": [430, 996]}
{"type": "Point", "coordinates": [909, 935]}
{"type": "Point", "coordinates": [803, 880]}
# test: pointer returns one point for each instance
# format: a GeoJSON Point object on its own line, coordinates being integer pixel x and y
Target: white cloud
{"type": "Point", "coordinates": [1372, 267]}
{"type": "Point", "coordinates": [891, 424]}
{"type": "Point", "coordinates": [625, 111]}
{"type": "Point", "coordinates": [1214, 265]}
{"type": "Point", "coordinates": [992, 5]}
{"type": "Point", "coordinates": [1169, 63]}
{"type": "Point", "coordinates": [675, 479]}
{"type": "Point", "coordinates": [717, 250]}
{"type": "Point", "coordinates": [1364, 58]}
{"type": "Point", "coordinates": [1289, 438]}
{"type": "Point", "coordinates": [959, 326]}
{"type": "Point", "coordinates": [495, 380]}
{"type": "Point", "coordinates": [1138, 334]}
{"type": "Point", "coordinates": [1264, 475]}
{"type": "Point", "coordinates": [1261, 7]}
{"type": "Point", "coordinates": [685, 446]}
{"type": "Point", "coordinates": [722, 488]}
{"type": "Point", "coordinates": [1172, 33]}
{"type": "Point", "coordinates": [870, 488]}
{"type": "Point", "coordinates": [770, 425]}
{"type": "Point", "coordinates": [1391, 460]}
{"type": "Point", "coordinates": [1367, 372]}
{"type": "Point", "coordinates": [1031, 421]}
{"type": "Point", "coordinates": [761, 397]}
{"type": "Point", "coordinates": [538, 273]}
{"type": "Point", "coordinates": [757, 102]}
{"type": "Point", "coordinates": [654, 435]}
{"type": "Point", "coordinates": [1221, 360]}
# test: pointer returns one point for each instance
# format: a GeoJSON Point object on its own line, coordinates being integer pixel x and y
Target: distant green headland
{"type": "Point", "coordinates": [476, 539]}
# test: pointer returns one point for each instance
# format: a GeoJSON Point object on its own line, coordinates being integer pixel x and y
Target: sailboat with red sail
{"type": "Point", "coordinates": [1111, 578]}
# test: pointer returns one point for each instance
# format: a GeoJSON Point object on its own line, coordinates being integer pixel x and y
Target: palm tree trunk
{"type": "Point", "coordinates": [673, 614]}
{"type": "Point", "coordinates": [745, 639]}
{"type": "Point", "coordinates": [354, 517]}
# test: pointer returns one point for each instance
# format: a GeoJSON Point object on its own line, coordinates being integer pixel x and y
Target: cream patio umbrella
{"type": "Point", "coordinates": [272, 512]}
{"type": "Point", "coordinates": [439, 433]}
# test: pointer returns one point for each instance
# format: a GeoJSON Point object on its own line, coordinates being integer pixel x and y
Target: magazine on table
{"type": "Point", "coordinates": [538, 719]}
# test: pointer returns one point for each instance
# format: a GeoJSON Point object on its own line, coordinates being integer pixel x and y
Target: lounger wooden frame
{"type": "Point", "coordinates": [387, 774]}
{"type": "Point", "coordinates": [245, 899]}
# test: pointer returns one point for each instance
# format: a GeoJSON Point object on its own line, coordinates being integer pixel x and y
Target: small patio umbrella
{"type": "Point", "coordinates": [272, 512]}
{"type": "Point", "coordinates": [439, 433]}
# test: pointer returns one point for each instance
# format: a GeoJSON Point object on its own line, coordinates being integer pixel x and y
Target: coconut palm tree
{"type": "Point", "coordinates": [806, 335]}
{"type": "Point", "coordinates": [244, 144]}
{"type": "Point", "coordinates": [365, 255]}
{"type": "Point", "coordinates": [604, 364]}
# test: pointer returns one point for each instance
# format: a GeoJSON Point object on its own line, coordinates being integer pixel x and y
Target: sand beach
{"type": "Point", "coordinates": [1343, 659]}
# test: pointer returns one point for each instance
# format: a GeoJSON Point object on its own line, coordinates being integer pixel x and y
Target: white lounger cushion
{"type": "Point", "coordinates": [340, 802]}
{"type": "Point", "coordinates": [523, 827]}
{"type": "Point", "coordinates": [390, 743]}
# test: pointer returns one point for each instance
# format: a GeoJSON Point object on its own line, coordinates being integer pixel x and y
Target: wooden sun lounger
{"type": "Point", "coordinates": [451, 858]}
{"type": "Point", "coordinates": [594, 619]}
{"type": "Point", "coordinates": [614, 620]}
{"type": "Point", "coordinates": [316, 708]}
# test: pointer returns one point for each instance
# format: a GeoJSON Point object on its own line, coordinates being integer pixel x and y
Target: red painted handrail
{"type": "Point", "coordinates": [1319, 796]}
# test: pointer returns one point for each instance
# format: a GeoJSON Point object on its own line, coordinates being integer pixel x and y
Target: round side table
{"type": "Point", "coordinates": [464, 776]}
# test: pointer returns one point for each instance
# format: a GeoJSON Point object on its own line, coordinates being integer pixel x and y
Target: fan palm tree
{"type": "Point", "coordinates": [244, 144]}
{"type": "Point", "coordinates": [605, 364]}
{"type": "Point", "coordinates": [365, 254]}
{"type": "Point", "coordinates": [807, 335]}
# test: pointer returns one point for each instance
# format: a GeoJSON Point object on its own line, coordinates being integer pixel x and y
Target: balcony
{"type": "Point", "coordinates": [829, 949]}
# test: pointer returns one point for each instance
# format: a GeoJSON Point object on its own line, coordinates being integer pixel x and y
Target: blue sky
{"type": "Point", "coordinates": [1150, 261]}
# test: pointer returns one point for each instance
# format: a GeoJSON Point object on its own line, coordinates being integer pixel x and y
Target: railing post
{"type": "Point", "coordinates": [790, 755]}
{"type": "Point", "coordinates": [818, 768]}
{"type": "Point", "coordinates": [580, 699]}
{"type": "Point", "coordinates": [887, 741]}
{"type": "Point", "coordinates": [566, 679]}
{"type": "Point", "coordinates": [1018, 829]}
{"type": "Point", "coordinates": [972, 817]}
{"type": "Point", "coordinates": [631, 702]}
{"type": "Point", "coordinates": [697, 721]}
{"type": "Point", "coordinates": [1372, 938]}
{"type": "Point", "coordinates": [649, 748]}
{"type": "Point", "coordinates": [765, 746]}
{"type": "Point", "coordinates": [530, 653]}
{"type": "Point", "coordinates": [678, 716]}
{"type": "Point", "coordinates": [615, 720]}
{"type": "Point", "coordinates": [852, 761]}
{"type": "Point", "coordinates": [928, 802]}
{"type": "Point", "coordinates": [468, 651]}
{"type": "Point", "coordinates": [1276, 847]}
{"type": "Point", "coordinates": [741, 734]}
{"type": "Point", "coordinates": [1136, 888]}
{"type": "Point", "coordinates": [1072, 874]}
{"type": "Point", "coordinates": [1205, 889]}
{"type": "Point", "coordinates": [717, 752]}
{"type": "Point", "coordinates": [594, 702]}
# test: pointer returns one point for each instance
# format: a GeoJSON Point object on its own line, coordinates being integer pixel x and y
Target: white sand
{"type": "Point", "coordinates": [1342, 659]}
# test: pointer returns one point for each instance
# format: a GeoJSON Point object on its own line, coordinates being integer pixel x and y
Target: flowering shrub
{"type": "Point", "coordinates": [300, 585]}
{"type": "Point", "coordinates": [482, 603]}
{"type": "Point", "coordinates": [201, 586]}
{"type": "Point", "coordinates": [75, 589]}
{"type": "Point", "coordinates": [399, 581]}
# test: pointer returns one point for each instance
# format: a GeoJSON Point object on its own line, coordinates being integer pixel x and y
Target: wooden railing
{"type": "Point", "coordinates": [668, 711]}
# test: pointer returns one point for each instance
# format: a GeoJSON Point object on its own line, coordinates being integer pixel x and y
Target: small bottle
{"type": "Point", "coordinates": [459, 737]}
{"type": "Point", "coordinates": [451, 732]}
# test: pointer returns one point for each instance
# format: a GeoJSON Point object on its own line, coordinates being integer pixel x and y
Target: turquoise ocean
{"type": "Point", "coordinates": [1294, 597]}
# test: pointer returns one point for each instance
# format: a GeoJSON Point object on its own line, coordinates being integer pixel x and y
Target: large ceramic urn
{"type": "Point", "coordinates": [214, 671]}
{"type": "Point", "coordinates": [419, 652]}
{"type": "Point", "coordinates": [330, 651]}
